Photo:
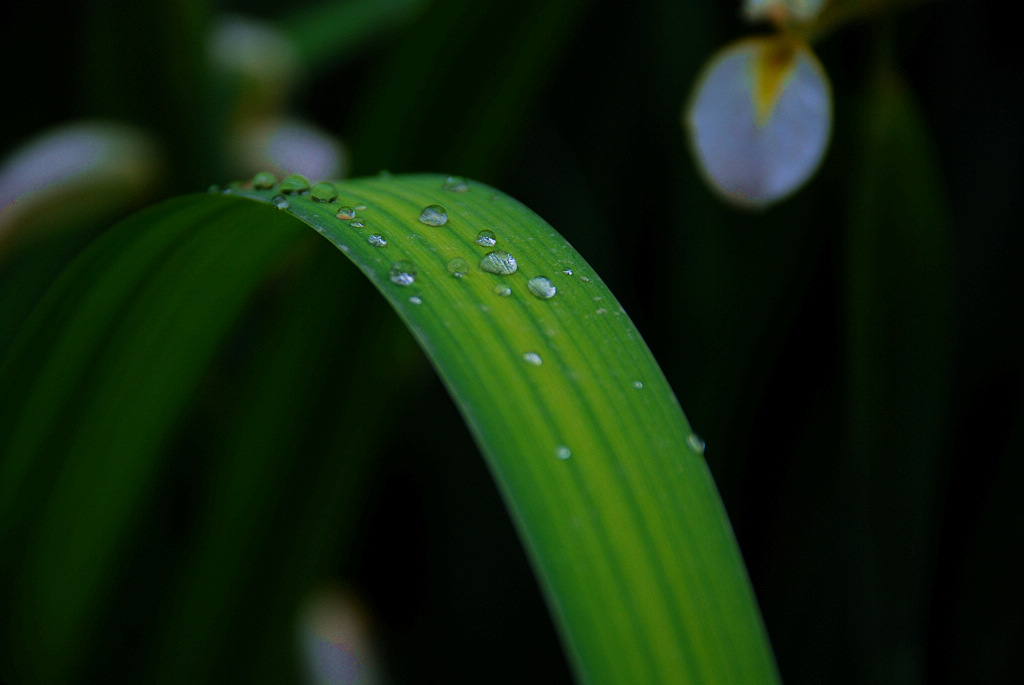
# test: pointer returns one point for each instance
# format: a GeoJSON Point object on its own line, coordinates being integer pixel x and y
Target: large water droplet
{"type": "Point", "coordinates": [541, 287]}
{"type": "Point", "coordinates": [502, 290]}
{"type": "Point", "coordinates": [377, 240]}
{"type": "Point", "coordinates": [499, 262]}
{"type": "Point", "coordinates": [434, 215]}
{"type": "Point", "coordinates": [324, 192]}
{"type": "Point", "coordinates": [486, 238]}
{"type": "Point", "coordinates": [403, 272]}
{"type": "Point", "coordinates": [279, 201]}
{"type": "Point", "coordinates": [695, 443]}
{"type": "Point", "coordinates": [458, 267]}
{"type": "Point", "coordinates": [563, 452]}
{"type": "Point", "coordinates": [533, 359]}
{"type": "Point", "coordinates": [455, 184]}
{"type": "Point", "coordinates": [294, 183]}
{"type": "Point", "coordinates": [346, 213]}
{"type": "Point", "coordinates": [264, 180]}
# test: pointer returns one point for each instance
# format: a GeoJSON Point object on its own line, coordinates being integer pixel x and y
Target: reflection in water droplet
{"type": "Point", "coordinates": [279, 201]}
{"type": "Point", "coordinates": [502, 290]}
{"type": "Point", "coordinates": [345, 212]}
{"type": "Point", "coordinates": [323, 192]}
{"type": "Point", "coordinates": [434, 215]}
{"type": "Point", "coordinates": [563, 452]}
{"type": "Point", "coordinates": [377, 240]}
{"type": "Point", "coordinates": [541, 287]}
{"type": "Point", "coordinates": [455, 184]}
{"type": "Point", "coordinates": [403, 272]}
{"type": "Point", "coordinates": [264, 180]}
{"type": "Point", "coordinates": [357, 223]}
{"type": "Point", "coordinates": [415, 300]}
{"type": "Point", "coordinates": [294, 183]}
{"type": "Point", "coordinates": [486, 238]}
{"type": "Point", "coordinates": [638, 385]}
{"type": "Point", "coordinates": [458, 267]}
{"type": "Point", "coordinates": [499, 262]}
{"type": "Point", "coordinates": [696, 443]}
{"type": "Point", "coordinates": [533, 359]}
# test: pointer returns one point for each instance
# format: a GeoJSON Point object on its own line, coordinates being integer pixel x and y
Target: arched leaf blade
{"type": "Point", "coordinates": [604, 478]}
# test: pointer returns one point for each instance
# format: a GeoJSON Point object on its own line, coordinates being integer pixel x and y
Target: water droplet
{"type": "Point", "coordinates": [294, 183]}
{"type": "Point", "coordinates": [458, 267]}
{"type": "Point", "coordinates": [415, 300]}
{"type": "Point", "coordinates": [639, 385]}
{"type": "Point", "coordinates": [455, 184]}
{"type": "Point", "coordinates": [533, 359]}
{"type": "Point", "coordinates": [695, 443]}
{"type": "Point", "coordinates": [360, 207]}
{"type": "Point", "coordinates": [346, 213]}
{"type": "Point", "coordinates": [264, 180]}
{"type": "Point", "coordinates": [323, 192]}
{"type": "Point", "coordinates": [541, 287]}
{"type": "Point", "coordinates": [403, 272]}
{"type": "Point", "coordinates": [434, 215]}
{"type": "Point", "coordinates": [499, 262]}
{"type": "Point", "coordinates": [377, 240]}
{"type": "Point", "coordinates": [600, 310]}
{"type": "Point", "coordinates": [357, 223]}
{"type": "Point", "coordinates": [563, 452]}
{"type": "Point", "coordinates": [584, 279]}
{"type": "Point", "coordinates": [486, 238]}
{"type": "Point", "coordinates": [567, 272]}
{"type": "Point", "coordinates": [213, 188]}
{"type": "Point", "coordinates": [279, 201]}
{"type": "Point", "coordinates": [502, 290]}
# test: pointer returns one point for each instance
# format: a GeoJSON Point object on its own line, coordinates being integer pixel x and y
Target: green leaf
{"type": "Point", "coordinates": [597, 464]}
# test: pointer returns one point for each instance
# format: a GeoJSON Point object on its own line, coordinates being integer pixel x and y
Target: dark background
{"type": "Point", "coordinates": [852, 357]}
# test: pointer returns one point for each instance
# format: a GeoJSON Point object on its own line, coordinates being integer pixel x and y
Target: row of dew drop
{"type": "Point", "coordinates": [403, 271]}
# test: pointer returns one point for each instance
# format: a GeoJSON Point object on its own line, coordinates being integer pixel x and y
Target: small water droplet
{"type": "Point", "coordinates": [541, 287]}
{"type": "Point", "coordinates": [533, 359]}
{"type": "Point", "coordinates": [584, 279]}
{"type": "Point", "coordinates": [360, 207]}
{"type": "Point", "coordinates": [434, 215]}
{"type": "Point", "coordinates": [502, 290]}
{"type": "Point", "coordinates": [264, 180]}
{"type": "Point", "coordinates": [357, 223]}
{"type": "Point", "coordinates": [455, 184]}
{"type": "Point", "coordinates": [563, 452]}
{"type": "Point", "coordinates": [403, 272]}
{"type": "Point", "coordinates": [279, 201]}
{"type": "Point", "coordinates": [499, 262]}
{"type": "Point", "coordinates": [567, 272]}
{"type": "Point", "coordinates": [415, 300]}
{"type": "Point", "coordinates": [294, 183]}
{"type": "Point", "coordinates": [639, 385]}
{"type": "Point", "coordinates": [458, 267]}
{"type": "Point", "coordinates": [377, 240]}
{"type": "Point", "coordinates": [600, 310]}
{"type": "Point", "coordinates": [486, 238]}
{"type": "Point", "coordinates": [323, 192]}
{"type": "Point", "coordinates": [695, 443]}
{"type": "Point", "coordinates": [346, 213]}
